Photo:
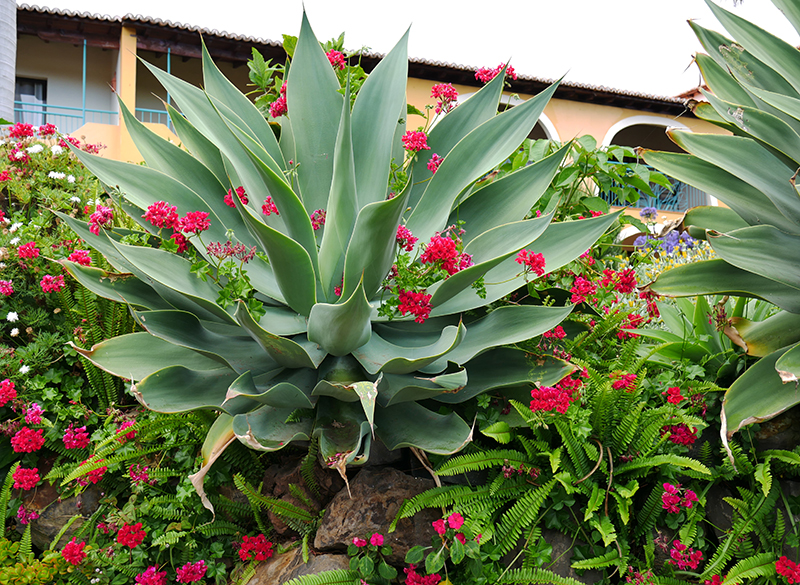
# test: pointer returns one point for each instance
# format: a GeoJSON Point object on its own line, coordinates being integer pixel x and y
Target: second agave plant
{"type": "Point", "coordinates": [286, 279]}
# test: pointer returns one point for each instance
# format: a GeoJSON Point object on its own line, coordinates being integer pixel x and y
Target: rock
{"type": "Point", "coordinates": [561, 557]}
{"type": "Point", "coordinates": [379, 454]}
{"type": "Point", "coordinates": [782, 432]}
{"type": "Point", "coordinates": [376, 497]}
{"type": "Point", "coordinates": [719, 512]}
{"type": "Point", "coordinates": [276, 484]}
{"type": "Point", "coordinates": [282, 568]}
{"type": "Point", "coordinates": [54, 513]}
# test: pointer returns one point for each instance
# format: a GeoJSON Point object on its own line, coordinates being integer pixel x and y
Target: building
{"type": "Point", "coordinates": [71, 67]}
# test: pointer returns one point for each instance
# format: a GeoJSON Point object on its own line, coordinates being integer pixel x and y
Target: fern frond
{"type": "Point", "coordinates": [521, 515]}
{"type": "Point", "coordinates": [63, 531]}
{"type": "Point", "coordinates": [5, 496]}
{"type": "Point", "coordinates": [438, 497]}
{"type": "Point", "coordinates": [483, 460]}
{"type": "Point", "coordinates": [780, 527]}
{"type": "Point", "coordinates": [648, 515]}
{"type": "Point", "coordinates": [78, 578]}
{"type": "Point", "coordinates": [300, 495]}
{"type": "Point", "coordinates": [665, 459]}
{"type": "Point", "coordinates": [169, 538]}
{"type": "Point", "coordinates": [25, 552]}
{"type": "Point", "coordinates": [626, 430]}
{"type": "Point", "coordinates": [338, 577]}
{"type": "Point", "coordinates": [219, 528]}
{"type": "Point", "coordinates": [543, 576]}
{"type": "Point", "coordinates": [762, 565]}
{"type": "Point", "coordinates": [283, 509]}
{"type": "Point", "coordinates": [576, 453]}
{"type": "Point", "coordinates": [307, 468]}
{"type": "Point", "coordinates": [598, 562]}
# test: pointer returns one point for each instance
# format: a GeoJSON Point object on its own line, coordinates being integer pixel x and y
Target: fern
{"type": "Point", "coordinates": [780, 527]}
{"type": "Point", "coordinates": [25, 552]}
{"type": "Point", "coordinates": [525, 576]}
{"type": "Point", "coordinates": [481, 461]}
{"type": "Point", "coordinates": [598, 562]}
{"type": "Point", "coordinates": [521, 515]}
{"type": "Point", "coordinates": [627, 429]}
{"type": "Point", "coordinates": [762, 565]}
{"type": "Point", "coordinates": [338, 577]}
{"type": "Point", "coordinates": [438, 497]}
{"type": "Point", "coordinates": [170, 538]}
{"type": "Point", "coordinates": [307, 468]}
{"type": "Point", "coordinates": [576, 454]}
{"type": "Point", "coordinates": [665, 459]}
{"type": "Point", "coordinates": [219, 528]}
{"type": "Point", "coordinates": [78, 578]}
{"type": "Point", "coordinates": [63, 531]}
{"type": "Point", "coordinates": [5, 496]}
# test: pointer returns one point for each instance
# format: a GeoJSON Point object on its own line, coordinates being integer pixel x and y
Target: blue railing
{"type": "Point", "coordinates": [66, 118]}
{"type": "Point", "coordinates": [153, 116]}
{"type": "Point", "coordinates": [680, 198]}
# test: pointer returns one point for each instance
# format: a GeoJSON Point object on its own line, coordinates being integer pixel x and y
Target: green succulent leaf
{"type": "Point", "coordinates": [342, 429]}
{"type": "Point", "coordinates": [719, 219]}
{"type": "Point", "coordinates": [287, 390]}
{"type": "Point", "coordinates": [412, 425]}
{"type": "Point", "coordinates": [379, 355]}
{"type": "Point", "coordinates": [125, 288]}
{"type": "Point", "coordinates": [266, 429]}
{"type": "Point", "coordinates": [788, 365]}
{"type": "Point", "coordinates": [197, 144]}
{"type": "Point", "coordinates": [342, 328]}
{"type": "Point", "coordinates": [761, 338]}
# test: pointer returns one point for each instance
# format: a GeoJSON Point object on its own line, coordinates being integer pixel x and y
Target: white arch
{"type": "Point", "coordinates": [648, 121]}
{"type": "Point", "coordinates": [643, 120]}
{"type": "Point", "coordinates": [547, 124]}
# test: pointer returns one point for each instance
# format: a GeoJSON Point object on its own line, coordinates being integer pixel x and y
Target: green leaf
{"type": "Point", "coordinates": [594, 502]}
{"type": "Point", "coordinates": [435, 561]}
{"type": "Point", "coordinates": [314, 115]}
{"type": "Point", "coordinates": [342, 428]}
{"type": "Point", "coordinates": [757, 395]}
{"type": "Point", "coordinates": [456, 552]}
{"type": "Point", "coordinates": [340, 329]}
{"type": "Point", "coordinates": [379, 355]}
{"type": "Point", "coordinates": [720, 219]}
{"type": "Point", "coordinates": [478, 152]}
{"type": "Point", "coordinates": [137, 355]}
{"type": "Point", "coordinates": [196, 143]}
{"type": "Point", "coordinates": [499, 431]}
{"type": "Point", "coordinates": [265, 429]}
{"type": "Point", "coordinates": [289, 353]}
{"type": "Point", "coordinates": [387, 571]}
{"type": "Point", "coordinates": [375, 113]}
{"type": "Point", "coordinates": [788, 365]}
{"type": "Point", "coordinates": [412, 425]}
{"type": "Point", "coordinates": [761, 338]}
{"type": "Point", "coordinates": [764, 477]}
{"type": "Point", "coordinates": [116, 287]}
{"type": "Point", "coordinates": [606, 529]}
{"type": "Point", "coordinates": [414, 555]}
{"type": "Point", "coordinates": [764, 250]}
{"type": "Point", "coordinates": [289, 389]}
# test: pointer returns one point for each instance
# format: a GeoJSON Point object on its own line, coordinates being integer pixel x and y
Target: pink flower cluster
{"type": "Point", "coordinates": [151, 576]}
{"type": "Point", "coordinates": [229, 250]}
{"type": "Point", "coordinates": [414, 578]}
{"type": "Point", "coordinates": [268, 208]}
{"type": "Point", "coordinates": [531, 262]}
{"type": "Point", "coordinates": [680, 434]}
{"type": "Point", "coordinates": [673, 395]}
{"type": "Point", "coordinates": [485, 74]}
{"type": "Point", "coordinates": [162, 215]}
{"type": "Point", "coordinates": [256, 547]}
{"type": "Point", "coordinates": [52, 283]}
{"type": "Point", "coordinates": [559, 397]}
{"type": "Point", "coordinates": [623, 281]}
{"type": "Point", "coordinates": [416, 303]}
{"type": "Point", "coordinates": [582, 289]}
{"type": "Point", "coordinates": [443, 251]}
{"type": "Point", "coordinates": [93, 476]}
{"type": "Point", "coordinates": [279, 107]}
{"type": "Point", "coordinates": [622, 381]}
{"type": "Point", "coordinates": [556, 333]}
{"type": "Point", "coordinates": [318, 219]}
{"type": "Point", "coordinates": [405, 239]}
{"type": "Point", "coordinates": [336, 59]}
{"type": "Point", "coordinates": [26, 479]}
{"type": "Point", "coordinates": [242, 197]}
{"type": "Point", "coordinates": [8, 391]}
{"type": "Point", "coordinates": [26, 516]}
{"type": "Point", "coordinates": [434, 162]}
{"type": "Point", "coordinates": [102, 217]}
{"type": "Point", "coordinates": [446, 95]}
{"type": "Point", "coordinates": [414, 141]}
{"type": "Point", "coordinates": [131, 535]}
{"type": "Point", "coordinates": [191, 572]}
{"type": "Point", "coordinates": [674, 498]}
{"type": "Point", "coordinates": [33, 414]}
{"type": "Point", "coordinates": [6, 287]}
{"type": "Point", "coordinates": [76, 438]}
{"type": "Point", "coordinates": [73, 552]}
{"type": "Point", "coordinates": [28, 250]}
{"type": "Point", "coordinates": [27, 440]}
{"type": "Point", "coordinates": [684, 557]}
{"type": "Point", "coordinates": [81, 257]}
{"type": "Point", "coordinates": [455, 521]}
{"type": "Point", "coordinates": [788, 569]}
{"type": "Point", "coordinates": [20, 130]}
{"type": "Point", "coordinates": [138, 473]}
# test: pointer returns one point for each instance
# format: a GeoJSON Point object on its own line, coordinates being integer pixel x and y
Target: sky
{"type": "Point", "coordinates": [644, 46]}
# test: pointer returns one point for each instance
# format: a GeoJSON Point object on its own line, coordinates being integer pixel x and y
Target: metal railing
{"type": "Point", "coordinates": [681, 198]}
{"type": "Point", "coordinates": [149, 116]}
{"type": "Point", "coordinates": [66, 118]}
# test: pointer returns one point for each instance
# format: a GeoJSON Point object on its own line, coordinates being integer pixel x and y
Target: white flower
{"type": "Point", "coordinates": [15, 227]}
{"type": "Point", "coordinates": [24, 369]}
{"type": "Point", "coordinates": [56, 175]}
{"type": "Point", "coordinates": [14, 241]}
{"type": "Point", "coordinates": [56, 150]}
{"type": "Point", "coordinates": [14, 332]}
{"type": "Point", "coordinates": [2, 265]}
{"type": "Point", "coordinates": [35, 149]}
{"type": "Point", "coordinates": [75, 199]}
{"type": "Point", "coordinates": [17, 155]}
{"type": "Point", "coordinates": [70, 179]}
{"type": "Point", "coordinates": [12, 316]}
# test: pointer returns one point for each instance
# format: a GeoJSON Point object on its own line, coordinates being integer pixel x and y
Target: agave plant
{"type": "Point", "coordinates": [755, 94]}
{"type": "Point", "coordinates": [298, 343]}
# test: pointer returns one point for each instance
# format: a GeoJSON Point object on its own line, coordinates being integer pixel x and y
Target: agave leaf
{"type": "Point", "coordinates": [124, 288]}
{"type": "Point", "coordinates": [199, 389]}
{"type": "Point", "coordinates": [788, 365]}
{"type": "Point", "coordinates": [395, 388]}
{"type": "Point", "coordinates": [290, 262]}
{"type": "Point", "coordinates": [757, 395]}
{"type": "Point", "coordinates": [182, 328]}
{"type": "Point", "coordinates": [790, 10]}
{"type": "Point", "coordinates": [764, 250]}
{"type": "Point", "coordinates": [706, 217]}
{"type": "Point", "coordinates": [380, 98]}
{"type": "Point", "coordinates": [503, 326]}
{"type": "Point", "coordinates": [289, 353]}
{"type": "Point", "coordinates": [714, 277]}
{"type": "Point", "coordinates": [340, 329]}
{"type": "Point", "coordinates": [746, 159]}
{"type": "Point", "coordinates": [704, 328]}
{"type": "Point", "coordinates": [196, 143]}
{"type": "Point", "coordinates": [758, 124]}
{"type": "Point", "coordinates": [506, 200]}
{"type": "Point", "coordinates": [761, 338]}
{"type": "Point", "coordinates": [219, 436]}
{"type": "Point", "coordinates": [219, 87]}
{"type": "Point", "coordinates": [451, 128]}
{"type": "Point", "coordinates": [379, 355]}
{"type": "Point", "coordinates": [747, 201]}
{"type": "Point", "coordinates": [412, 425]}
{"type": "Point", "coordinates": [372, 246]}
{"type": "Point", "coordinates": [471, 158]}
{"type": "Point", "coordinates": [173, 272]}
{"type": "Point", "coordinates": [266, 429]}
{"type": "Point", "coordinates": [488, 250]}
{"type": "Point", "coordinates": [774, 52]}
{"type": "Point", "coordinates": [342, 205]}
{"type": "Point", "coordinates": [342, 429]}
{"type": "Point", "coordinates": [284, 391]}
{"type": "Point", "coordinates": [560, 244]}
{"type": "Point", "coordinates": [137, 355]}
{"type": "Point", "coordinates": [315, 117]}
{"type": "Point", "coordinates": [721, 83]}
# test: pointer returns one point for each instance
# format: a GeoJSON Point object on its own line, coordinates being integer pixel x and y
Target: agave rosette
{"type": "Point", "coordinates": [308, 354]}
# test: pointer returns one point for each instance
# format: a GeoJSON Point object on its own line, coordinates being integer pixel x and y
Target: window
{"type": "Point", "coordinates": [30, 99]}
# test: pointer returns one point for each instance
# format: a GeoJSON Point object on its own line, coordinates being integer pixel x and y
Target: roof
{"type": "Point", "coordinates": [155, 34]}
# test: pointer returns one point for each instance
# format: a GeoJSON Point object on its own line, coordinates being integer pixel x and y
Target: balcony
{"type": "Point", "coordinates": [69, 119]}
{"type": "Point", "coordinates": [681, 198]}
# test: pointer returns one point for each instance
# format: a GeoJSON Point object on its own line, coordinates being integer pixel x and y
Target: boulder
{"type": "Point", "coordinates": [376, 496]}
{"type": "Point", "coordinates": [289, 565]}
{"type": "Point", "coordinates": [54, 513]}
